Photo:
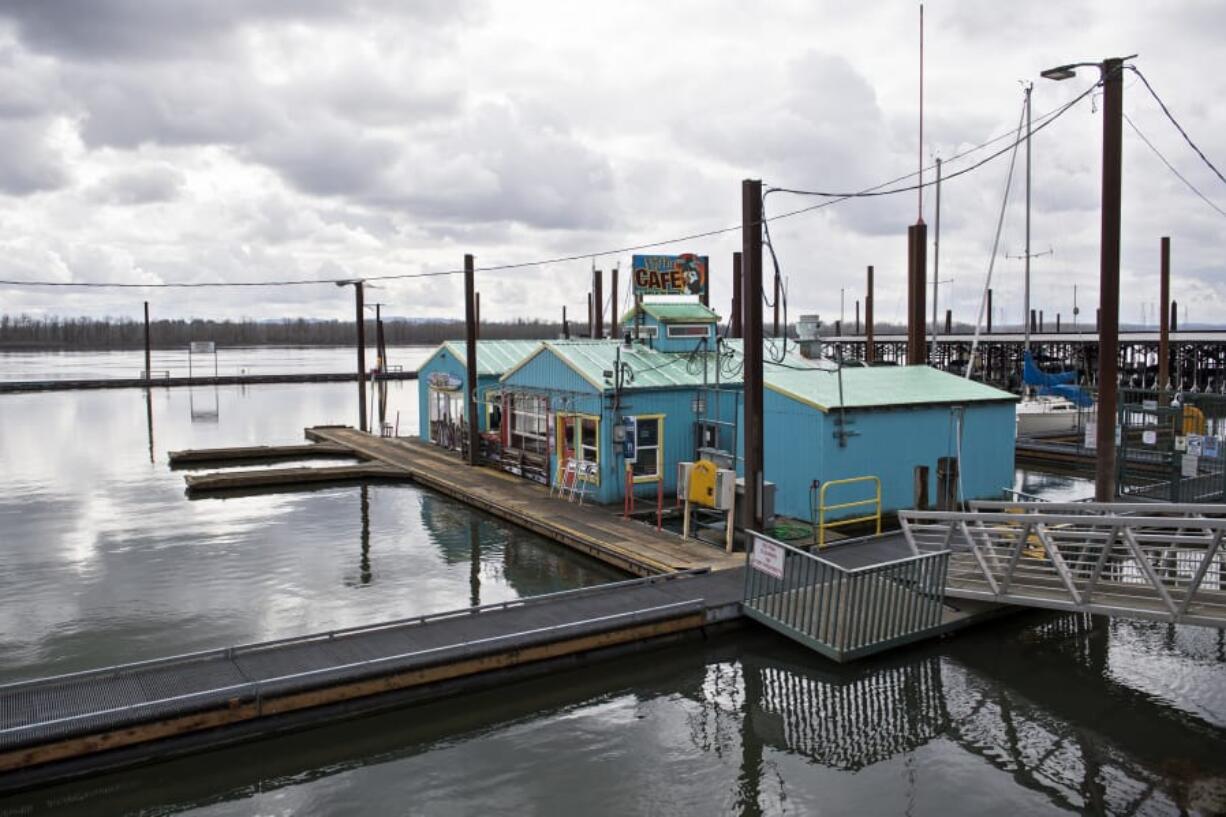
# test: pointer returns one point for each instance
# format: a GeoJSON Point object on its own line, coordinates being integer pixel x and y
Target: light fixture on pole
{"type": "Point", "coordinates": [1111, 73]}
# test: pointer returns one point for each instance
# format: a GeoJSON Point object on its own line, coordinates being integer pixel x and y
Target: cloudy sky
{"type": "Point", "coordinates": [241, 140]}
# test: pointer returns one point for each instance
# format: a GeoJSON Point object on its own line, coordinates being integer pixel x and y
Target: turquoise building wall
{"type": "Point", "coordinates": [444, 361]}
{"type": "Point", "coordinates": [800, 446]}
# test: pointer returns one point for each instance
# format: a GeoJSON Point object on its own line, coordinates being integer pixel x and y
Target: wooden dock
{"type": "Point", "coordinates": [592, 529]}
{"type": "Point", "coordinates": [66, 726]}
{"type": "Point", "coordinates": [16, 386]}
{"type": "Point", "coordinates": [286, 478]}
{"type": "Point", "coordinates": [263, 453]}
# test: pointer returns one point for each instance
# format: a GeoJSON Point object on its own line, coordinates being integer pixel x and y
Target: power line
{"type": "Point", "coordinates": [1171, 167]}
{"type": "Point", "coordinates": [911, 188]}
{"type": "Point", "coordinates": [1175, 122]}
{"type": "Point", "coordinates": [835, 198]}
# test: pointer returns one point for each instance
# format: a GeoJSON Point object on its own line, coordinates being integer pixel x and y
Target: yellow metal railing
{"type": "Point", "coordinates": [822, 507]}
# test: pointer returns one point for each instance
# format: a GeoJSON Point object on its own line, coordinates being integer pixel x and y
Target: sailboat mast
{"type": "Point", "coordinates": [1026, 315]}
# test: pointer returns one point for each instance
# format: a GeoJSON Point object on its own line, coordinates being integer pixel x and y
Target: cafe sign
{"type": "Point", "coordinates": [684, 274]}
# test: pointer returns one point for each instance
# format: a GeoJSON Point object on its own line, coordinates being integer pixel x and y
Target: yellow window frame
{"type": "Point", "coordinates": [576, 440]}
{"type": "Point", "coordinates": [659, 448]}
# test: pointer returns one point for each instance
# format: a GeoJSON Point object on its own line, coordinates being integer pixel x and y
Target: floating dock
{"type": "Point", "coordinates": [627, 544]}
{"type": "Point", "coordinates": [288, 478]}
{"type": "Point", "coordinates": [70, 725]}
{"type": "Point", "coordinates": [632, 546]}
{"type": "Point", "coordinates": [9, 387]}
{"type": "Point", "coordinates": [263, 453]}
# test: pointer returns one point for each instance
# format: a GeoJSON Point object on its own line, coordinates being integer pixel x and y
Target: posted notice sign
{"type": "Point", "coordinates": [767, 557]}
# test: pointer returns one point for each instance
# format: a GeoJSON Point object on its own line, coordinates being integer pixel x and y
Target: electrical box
{"type": "Point", "coordinates": [702, 484]}
{"type": "Point", "coordinates": [683, 477]}
{"type": "Point", "coordinates": [768, 500]}
{"type": "Point", "coordinates": [725, 489]}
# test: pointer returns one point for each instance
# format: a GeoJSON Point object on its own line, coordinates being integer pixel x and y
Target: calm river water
{"type": "Point", "coordinates": [103, 559]}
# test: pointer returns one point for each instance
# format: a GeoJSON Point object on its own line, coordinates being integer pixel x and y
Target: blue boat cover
{"type": "Point", "coordinates": [1059, 385]}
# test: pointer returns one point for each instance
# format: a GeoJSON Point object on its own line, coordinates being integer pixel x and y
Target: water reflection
{"type": "Point", "coordinates": [744, 724]}
{"type": "Point", "coordinates": [204, 404]}
{"type": "Point", "coordinates": [104, 560]}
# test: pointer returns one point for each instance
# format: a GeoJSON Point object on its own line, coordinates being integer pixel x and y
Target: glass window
{"type": "Point", "coordinates": [528, 430]}
{"type": "Point", "coordinates": [647, 448]}
{"type": "Point", "coordinates": [589, 442]}
{"type": "Point", "coordinates": [689, 330]}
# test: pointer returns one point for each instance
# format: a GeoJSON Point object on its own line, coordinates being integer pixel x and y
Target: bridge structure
{"type": "Point", "coordinates": [1158, 562]}
{"type": "Point", "coordinates": [1198, 357]}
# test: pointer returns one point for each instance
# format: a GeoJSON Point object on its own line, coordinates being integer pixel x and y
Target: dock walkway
{"type": "Point", "coordinates": [67, 725]}
{"type": "Point", "coordinates": [593, 529]}
{"type": "Point", "coordinates": [75, 384]}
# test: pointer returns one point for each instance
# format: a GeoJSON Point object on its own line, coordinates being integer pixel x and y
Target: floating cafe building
{"type": "Point", "coordinates": [879, 523]}
{"type": "Point", "coordinates": [624, 413]}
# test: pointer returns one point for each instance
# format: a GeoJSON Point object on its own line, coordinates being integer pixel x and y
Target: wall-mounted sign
{"type": "Point", "coordinates": [1149, 437]}
{"type": "Point", "coordinates": [1189, 465]}
{"type": "Point", "coordinates": [684, 274]}
{"type": "Point", "coordinates": [444, 381]}
{"type": "Point", "coordinates": [1209, 447]}
{"type": "Point", "coordinates": [767, 557]}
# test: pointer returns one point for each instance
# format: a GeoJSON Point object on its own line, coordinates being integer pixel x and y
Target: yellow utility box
{"type": "Point", "coordinates": [702, 484]}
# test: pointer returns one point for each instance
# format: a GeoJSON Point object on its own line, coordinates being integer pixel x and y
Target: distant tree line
{"type": "Point", "coordinates": [24, 331]}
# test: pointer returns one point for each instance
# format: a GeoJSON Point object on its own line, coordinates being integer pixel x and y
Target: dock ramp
{"type": "Point", "coordinates": [1161, 562]}
{"type": "Point", "coordinates": [864, 599]}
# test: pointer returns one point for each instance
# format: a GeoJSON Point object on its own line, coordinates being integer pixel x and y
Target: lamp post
{"type": "Point", "coordinates": [1109, 264]}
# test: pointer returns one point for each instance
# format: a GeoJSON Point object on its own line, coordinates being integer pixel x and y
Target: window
{"type": "Point", "coordinates": [689, 330]}
{"type": "Point", "coordinates": [648, 447]}
{"type": "Point", "coordinates": [578, 440]}
{"type": "Point", "coordinates": [528, 429]}
{"type": "Point", "coordinates": [446, 411]}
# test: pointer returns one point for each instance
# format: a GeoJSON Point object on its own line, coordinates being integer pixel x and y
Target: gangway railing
{"type": "Point", "coordinates": [843, 613]}
{"type": "Point", "coordinates": [873, 501]}
{"type": "Point", "coordinates": [1150, 561]}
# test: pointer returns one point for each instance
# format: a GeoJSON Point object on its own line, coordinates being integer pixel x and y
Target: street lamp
{"type": "Point", "coordinates": [1111, 71]}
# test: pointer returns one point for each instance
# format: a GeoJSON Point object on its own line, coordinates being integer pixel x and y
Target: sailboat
{"type": "Point", "coordinates": [1054, 405]}
{"type": "Point", "coordinates": [1051, 403]}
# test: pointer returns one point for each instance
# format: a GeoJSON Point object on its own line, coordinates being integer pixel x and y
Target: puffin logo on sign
{"type": "Point", "coordinates": [670, 274]}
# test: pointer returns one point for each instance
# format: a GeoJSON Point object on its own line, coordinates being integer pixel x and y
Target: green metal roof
{"type": "Point", "coordinates": [651, 368]}
{"type": "Point", "coordinates": [654, 369]}
{"type": "Point", "coordinates": [881, 386]}
{"type": "Point", "coordinates": [674, 313]}
{"type": "Point", "coordinates": [493, 356]}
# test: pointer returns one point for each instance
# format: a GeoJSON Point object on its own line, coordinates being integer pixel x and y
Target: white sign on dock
{"type": "Point", "coordinates": [1190, 465]}
{"type": "Point", "coordinates": [203, 347]}
{"type": "Point", "coordinates": [767, 557]}
{"type": "Point", "coordinates": [1091, 439]}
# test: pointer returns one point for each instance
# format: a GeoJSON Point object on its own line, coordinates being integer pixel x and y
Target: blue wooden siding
{"type": "Point", "coordinates": [547, 371]}
{"type": "Point", "coordinates": [447, 363]}
{"type": "Point", "coordinates": [800, 447]}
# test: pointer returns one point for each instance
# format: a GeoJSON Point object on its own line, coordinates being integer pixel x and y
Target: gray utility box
{"type": "Point", "coordinates": [768, 502]}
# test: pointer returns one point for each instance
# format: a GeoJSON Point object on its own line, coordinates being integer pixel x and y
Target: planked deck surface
{"type": "Point", "coordinates": [283, 477]}
{"type": "Point", "coordinates": [590, 528]}
{"type": "Point", "coordinates": [76, 716]}
{"type": "Point", "coordinates": [266, 453]}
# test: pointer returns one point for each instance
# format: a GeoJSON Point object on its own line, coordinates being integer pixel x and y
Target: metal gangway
{"type": "Point", "coordinates": [845, 605]}
{"type": "Point", "coordinates": [1161, 562]}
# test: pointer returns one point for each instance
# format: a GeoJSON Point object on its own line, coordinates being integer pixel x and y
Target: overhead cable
{"type": "Point", "coordinates": [834, 198]}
